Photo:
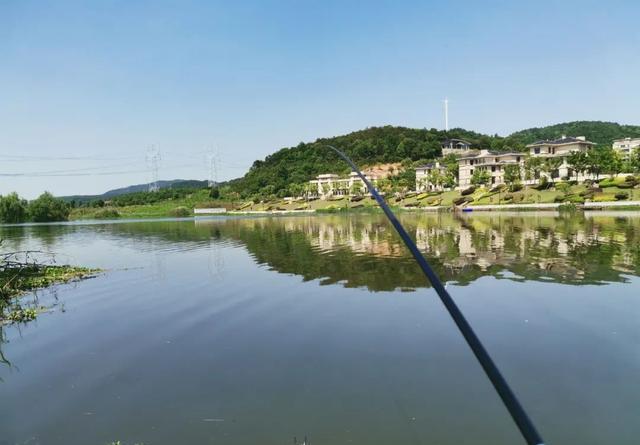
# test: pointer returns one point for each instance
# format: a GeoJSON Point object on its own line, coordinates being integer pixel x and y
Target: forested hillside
{"type": "Point", "coordinates": [297, 165]}
{"type": "Point", "coordinates": [602, 133]}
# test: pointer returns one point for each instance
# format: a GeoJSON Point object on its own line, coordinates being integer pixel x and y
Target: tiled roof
{"type": "Point", "coordinates": [565, 140]}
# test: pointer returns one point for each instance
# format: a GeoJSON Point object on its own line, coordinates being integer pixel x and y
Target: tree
{"type": "Point", "coordinates": [480, 177]}
{"type": "Point", "coordinates": [449, 181]}
{"type": "Point", "coordinates": [47, 208]}
{"type": "Point", "coordinates": [612, 161]}
{"type": "Point", "coordinates": [451, 164]}
{"type": "Point", "coordinates": [551, 166]}
{"type": "Point", "coordinates": [579, 161]}
{"type": "Point", "coordinates": [214, 193]}
{"type": "Point", "coordinates": [634, 159]}
{"type": "Point", "coordinates": [435, 178]}
{"type": "Point", "coordinates": [532, 167]}
{"type": "Point", "coordinates": [356, 188]}
{"type": "Point", "coordinates": [13, 209]}
{"type": "Point", "coordinates": [512, 174]}
{"type": "Point", "coordinates": [596, 160]}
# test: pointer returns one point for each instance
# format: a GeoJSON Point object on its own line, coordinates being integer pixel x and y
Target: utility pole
{"type": "Point", "coordinates": [153, 162]}
{"type": "Point", "coordinates": [446, 114]}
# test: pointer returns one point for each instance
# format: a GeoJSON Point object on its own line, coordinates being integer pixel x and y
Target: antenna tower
{"type": "Point", "coordinates": [446, 114]}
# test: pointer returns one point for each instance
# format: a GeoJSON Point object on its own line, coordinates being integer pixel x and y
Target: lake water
{"type": "Point", "coordinates": [259, 330]}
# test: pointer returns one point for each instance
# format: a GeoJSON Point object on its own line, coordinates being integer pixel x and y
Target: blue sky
{"type": "Point", "coordinates": [97, 83]}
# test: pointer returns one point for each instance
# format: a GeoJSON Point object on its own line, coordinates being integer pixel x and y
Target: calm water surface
{"type": "Point", "coordinates": [247, 331]}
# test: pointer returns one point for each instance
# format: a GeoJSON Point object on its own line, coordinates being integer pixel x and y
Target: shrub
{"type": "Point", "coordinates": [587, 193]}
{"type": "Point", "coordinates": [621, 195]}
{"type": "Point", "coordinates": [421, 196]}
{"type": "Point", "coordinates": [626, 185]}
{"type": "Point", "coordinates": [47, 208]}
{"type": "Point", "coordinates": [575, 199]}
{"type": "Point", "coordinates": [180, 212]}
{"type": "Point", "coordinates": [106, 213]}
{"type": "Point", "coordinates": [459, 201]}
{"type": "Point", "coordinates": [544, 184]}
{"type": "Point", "coordinates": [356, 198]}
{"type": "Point", "coordinates": [515, 187]}
{"type": "Point", "coordinates": [607, 182]}
{"type": "Point", "coordinates": [604, 198]}
{"type": "Point", "coordinates": [13, 209]}
{"type": "Point", "coordinates": [498, 188]}
{"type": "Point", "coordinates": [468, 191]}
{"type": "Point", "coordinates": [508, 197]}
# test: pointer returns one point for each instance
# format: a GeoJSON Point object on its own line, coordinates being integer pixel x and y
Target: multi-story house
{"type": "Point", "coordinates": [456, 147]}
{"type": "Point", "coordinates": [561, 149]}
{"type": "Point", "coordinates": [327, 185]}
{"type": "Point", "coordinates": [626, 146]}
{"type": "Point", "coordinates": [424, 175]}
{"type": "Point", "coordinates": [490, 161]}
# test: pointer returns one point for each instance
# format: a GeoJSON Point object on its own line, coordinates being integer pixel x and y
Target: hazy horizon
{"type": "Point", "coordinates": [87, 89]}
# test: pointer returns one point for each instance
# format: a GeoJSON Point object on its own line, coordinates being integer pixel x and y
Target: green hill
{"type": "Point", "coordinates": [602, 133]}
{"type": "Point", "coordinates": [366, 147]}
{"type": "Point", "coordinates": [297, 165]}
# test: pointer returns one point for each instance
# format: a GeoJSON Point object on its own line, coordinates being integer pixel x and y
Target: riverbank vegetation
{"type": "Point", "coordinates": [45, 208]}
{"type": "Point", "coordinates": [20, 272]}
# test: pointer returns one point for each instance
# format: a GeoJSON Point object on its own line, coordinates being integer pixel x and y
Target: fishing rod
{"type": "Point", "coordinates": [519, 415]}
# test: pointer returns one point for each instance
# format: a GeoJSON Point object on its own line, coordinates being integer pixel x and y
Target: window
{"type": "Point", "coordinates": [536, 150]}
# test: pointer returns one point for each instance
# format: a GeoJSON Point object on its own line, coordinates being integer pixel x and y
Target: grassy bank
{"type": "Point", "coordinates": [18, 278]}
{"type": "Point", "coordinates": [562, 192]}
{"type": "Point", "coordinates": [168, 208]}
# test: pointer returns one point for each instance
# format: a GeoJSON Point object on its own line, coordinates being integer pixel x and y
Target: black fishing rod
{"type": "Point", "coordinates": [509, 399]}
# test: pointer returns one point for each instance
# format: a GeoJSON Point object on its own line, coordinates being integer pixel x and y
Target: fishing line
{"type": "Point", "coordinates": [520, 417]}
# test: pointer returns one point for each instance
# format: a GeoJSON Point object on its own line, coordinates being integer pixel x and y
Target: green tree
{"type": "Point", "coordinates": [47, 208]}
{"type": "Point", "coordinates": [480, 177]}
{"type": "Point", "coordinates": [551, 166]}
{"type": "Point", "coordinates": [579, 161]}
{"type": "Point", "coordinates": [451, 164]}
{"type": "Point", "coordinates": [512, 174]}
{"type": "Point", "coordinates": [434, 178]}
{"type": "Point", "coordinates": [532, 167]}
{"type": "Point", "coordinates": [612, 161]}
{"type": "Point", "coordinates": [356, 188]}
{"type": "Point", "coordinates": [13, 209]}
{"type": "Point", "coordinates": [634, 159]}
{"type": "Point", "coordinates": [214, 193]}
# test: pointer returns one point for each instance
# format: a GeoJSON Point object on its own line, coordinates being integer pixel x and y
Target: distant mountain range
{"type": "Point", "coordinates": [174, 183]}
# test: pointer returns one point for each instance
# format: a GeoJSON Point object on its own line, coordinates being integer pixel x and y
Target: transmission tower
{"type": "Point", "coordinates": [213, 160]}
{"type": "Point", "coordinates": [153, 162]}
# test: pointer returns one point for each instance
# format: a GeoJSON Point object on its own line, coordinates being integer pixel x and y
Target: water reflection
{"type": "Point", "coordinates": [364, 251]}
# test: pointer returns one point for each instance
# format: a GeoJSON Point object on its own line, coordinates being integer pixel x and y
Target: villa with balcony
{"type": "Point", "coordinates": [560, 148]}
{"type": "Point", "coordinates": [458, 147]}
{"type": "Point", "coordinates": [490, 161]}
{"type": "Point", "coordinates": [626, 146]}
{"type": "Point", "coordinates": [329, 184]}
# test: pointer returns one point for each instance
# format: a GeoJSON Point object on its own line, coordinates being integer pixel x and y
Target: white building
{"type": "Point", "coordinates": [424, 174]}
{"type": "Point", "coordinates": [561, 149]}
{"type": "Point", "coordinates": [327, 185]}
{"type": "Point", "coordinates": [490, 161]}
{"type": "Point", "coordinates": [626, 146]}
{"type": "Point", "coordinates": [458, 147]}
